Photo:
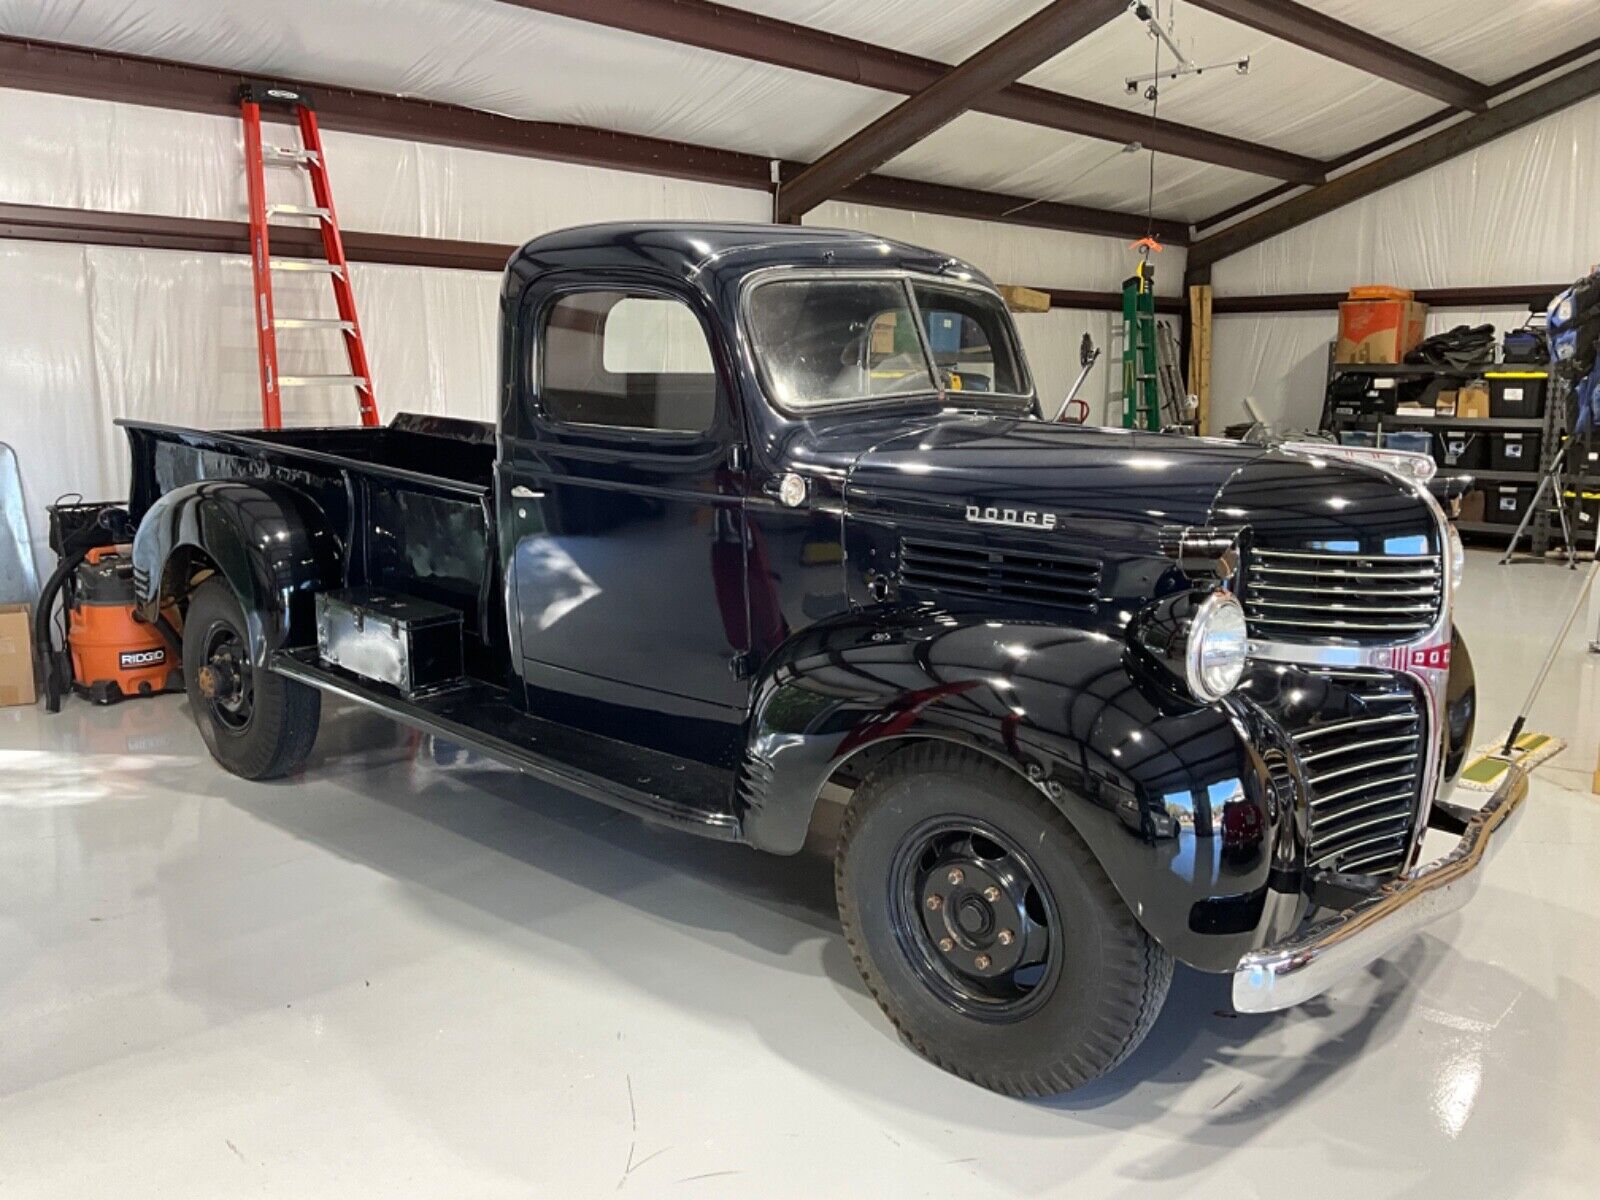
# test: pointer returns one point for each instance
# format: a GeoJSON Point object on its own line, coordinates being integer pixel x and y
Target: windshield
{"type": "Point", "coordinates": [826, 341]}
{"type": "Point", "coordinates": [969, 336]}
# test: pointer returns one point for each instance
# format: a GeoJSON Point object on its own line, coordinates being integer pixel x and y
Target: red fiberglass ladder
{"type": "Point", "coordinates": [308, 156]}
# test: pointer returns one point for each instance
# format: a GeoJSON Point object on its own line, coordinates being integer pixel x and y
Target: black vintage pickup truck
{"type": "Point", "coordinates": [771, 507]}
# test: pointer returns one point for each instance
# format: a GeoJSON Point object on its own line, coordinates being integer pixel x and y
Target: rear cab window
{"type": "Point", "coordinates": [624, 360]}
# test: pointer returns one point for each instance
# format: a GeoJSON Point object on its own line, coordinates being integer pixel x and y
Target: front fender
{"type": "Point", "coordinates": [1190, 809]}
{"type": "Point", "coordinates": [1461, 706]}
{"type": "Point", "coordinates": [270, 542]}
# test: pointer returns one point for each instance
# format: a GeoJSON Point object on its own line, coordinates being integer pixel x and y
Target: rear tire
{"type": "Point", "coordinates": [256, 723]}
{"type": "Point", "coordinates": [941, 852]}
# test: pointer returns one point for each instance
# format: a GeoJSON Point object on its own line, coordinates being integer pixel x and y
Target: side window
{"type": "Point", "coordinates": [627, 361]}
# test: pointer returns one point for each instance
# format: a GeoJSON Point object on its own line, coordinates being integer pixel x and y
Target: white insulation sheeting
{"type": "Point", "coordinates": [1519, 210]}
{"type": "Point", "coordinates": [93, 333]}
{"type": "Point", "coordinates": [75, 153]}
{"type": "Point", "coordinates": [1051, 341]}
{"type": "Point", "coordinates": [1011, 253]}
{"type": "Point", "coordinates": [483, 54]}
{"type": "Point", "coordinates": [96, 333]}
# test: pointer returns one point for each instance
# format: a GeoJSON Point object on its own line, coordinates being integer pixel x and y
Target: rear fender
{"type": "Point", "coordinates": [1190, 809]}
{"type": "Point", "coordinates": [270, 542]}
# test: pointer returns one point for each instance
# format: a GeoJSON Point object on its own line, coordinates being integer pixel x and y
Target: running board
{"type": "Point", "coordinates": [660, 787]}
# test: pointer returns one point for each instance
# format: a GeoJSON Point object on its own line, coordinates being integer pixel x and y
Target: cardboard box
{"type": "Point", "coordinates": [1379, 331]}
{"type": "Point", "coordinates": [1444, 404]}
{"type": "Point", "coordinates": [1473, 506]}
{"type": "Point", "coordinates": [1472, 401]}
{"type": "Point", "coordinates": [1024, 299]}
{"type": "Point", "coordinates": [1379, 291]}
{"type": "Point", "coordinates": [883, 331]}
{"type": "Point", "coordinates": [16, 655]}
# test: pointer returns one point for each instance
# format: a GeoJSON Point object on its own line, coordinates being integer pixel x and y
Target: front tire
{"type": "Point", "coordinates": [986, 930]}
{"type": "Point", "coordinates": [256, 723]}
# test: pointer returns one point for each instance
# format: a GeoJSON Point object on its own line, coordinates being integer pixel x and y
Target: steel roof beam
{"type": "Point", "coordinates": [1324, 35]}
{"type": "Point", "coordinates": [743, 34]}
{"type": "Point", "coordinates": [1003, 61]}
{"type": "Point", "coordinates": [1460, 138]}
{"type": "Point", "coordinates": [73, 71]}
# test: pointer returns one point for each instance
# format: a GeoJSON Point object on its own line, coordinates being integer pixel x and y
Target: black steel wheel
{"type": "Point", "coordinates": [224, 677]}
{"type": "Point", "coordinates": [975, 919]}
{"type": "Point", "coordinates": [255, 722]}
{"type": "Point", "coordinates": [986, 930]}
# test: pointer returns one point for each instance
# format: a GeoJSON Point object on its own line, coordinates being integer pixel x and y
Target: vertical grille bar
{"type": "Point", "coordinates": [1364, 771]}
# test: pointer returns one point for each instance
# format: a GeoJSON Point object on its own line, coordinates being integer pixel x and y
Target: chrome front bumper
{"type": "Point", "coordinates": [1311, 962]}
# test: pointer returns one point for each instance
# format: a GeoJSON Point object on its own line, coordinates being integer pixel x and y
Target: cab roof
{"type": "Point", "coordinates": [712, 253]}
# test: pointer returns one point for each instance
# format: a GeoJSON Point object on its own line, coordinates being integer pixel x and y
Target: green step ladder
{"type": "Point", "coordinates": [1141, 384]}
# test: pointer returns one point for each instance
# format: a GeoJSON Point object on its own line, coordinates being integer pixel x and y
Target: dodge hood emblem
{"type": "Point", "coordinates": [1026, 518]}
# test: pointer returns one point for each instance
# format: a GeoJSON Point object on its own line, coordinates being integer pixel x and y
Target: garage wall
{"type": "Point", "coordinates": [1517, 211]}
{"type": "Point", "coordinates": [90, 333]}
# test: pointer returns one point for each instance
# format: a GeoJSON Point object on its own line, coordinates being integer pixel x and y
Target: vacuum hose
{"type": "Point", "coordinates": [54, 683]}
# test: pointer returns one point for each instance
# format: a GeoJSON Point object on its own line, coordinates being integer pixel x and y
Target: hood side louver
{"type": "Point", "coordinates": [996, 572]}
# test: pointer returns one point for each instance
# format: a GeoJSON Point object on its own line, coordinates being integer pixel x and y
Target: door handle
{"type": "Point", "coordinates": [524, 493]}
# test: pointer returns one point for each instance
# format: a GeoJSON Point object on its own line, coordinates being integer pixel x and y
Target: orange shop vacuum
{"type": "Point", "coordinates": [107, 653]}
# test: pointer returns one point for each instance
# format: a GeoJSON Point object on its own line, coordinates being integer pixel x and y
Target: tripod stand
{"type": "Point", "coordinates": [1552, 480]}
{"type": "Point", "coordinates": [1556, 448]}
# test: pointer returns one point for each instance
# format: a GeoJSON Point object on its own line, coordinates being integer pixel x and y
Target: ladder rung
{"type": "Point", "coordinates": [359, 381]}
{"type": "Point", "coordinates": [287, 156]}
{"type": "Point", "coordinates": [305, 264]}
{"type": "Point", "coordinates": [315, 323]}
{"type": "Point", "coordinates": [299, 210]}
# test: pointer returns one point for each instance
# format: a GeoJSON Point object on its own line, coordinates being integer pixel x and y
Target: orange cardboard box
{"type": "Point", "coordinates": [1379, 331]}
{"type": "Point", "coordinates": [1379, 291]}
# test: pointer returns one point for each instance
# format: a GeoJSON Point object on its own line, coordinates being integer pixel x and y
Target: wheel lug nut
{"type": "Point", "coordinates": [1005, 937]}
{"type": "Point", "coordinates": [955, 877]}
{"type": "Point", "coordinates": [946, 945]}
{"type": "Point", "coordinates": [991, 894]}
{"type": "Point", "coordinates": [935, 903]}
{"type": "Point", "coordinates": [981, 962]}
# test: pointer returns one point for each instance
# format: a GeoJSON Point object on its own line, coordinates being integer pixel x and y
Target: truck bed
{"type": "Point", "coordinates": [439, 448]}
{"type": "Point", "coordinates": [410, 505]}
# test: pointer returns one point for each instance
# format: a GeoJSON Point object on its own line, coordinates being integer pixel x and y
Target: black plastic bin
{"type": "Point", "coordinates": [1507, 503]}
{"type": "Point", "coordinates": [1588, 516]}
{"type": "Point", "coordinates": [1516, 397]}
{"type": "Point", "coordinates": [1514, 450]}
{"type": "Point", "coordinates": [1461, 449]}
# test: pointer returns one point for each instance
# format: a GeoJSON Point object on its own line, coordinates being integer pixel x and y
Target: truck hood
{"type": "Point", "coordinates": [1096, 484]}
{"type": "Point", "coordinates": [1082, 479]}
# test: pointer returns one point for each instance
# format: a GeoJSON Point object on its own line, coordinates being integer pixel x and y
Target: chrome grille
{"type": "Point", "coordinates": [1364, 771]}
{"type": "Point", "coordinates": [998, 573]}
{"type": "Point", "coordinates": [1297, 596]}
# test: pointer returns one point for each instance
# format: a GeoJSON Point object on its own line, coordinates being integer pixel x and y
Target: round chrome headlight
{"type": "Point", "coordinates": [1215, 658]}
{"type": "Point", "coordinates": [1458, 558]}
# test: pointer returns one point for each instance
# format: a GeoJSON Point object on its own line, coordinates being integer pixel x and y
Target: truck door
{"type": "Point", "coordinates": [625, 522]}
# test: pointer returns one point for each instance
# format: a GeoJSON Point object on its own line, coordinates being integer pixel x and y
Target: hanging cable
{"type": "Point", "coordinates": [1155, 106]}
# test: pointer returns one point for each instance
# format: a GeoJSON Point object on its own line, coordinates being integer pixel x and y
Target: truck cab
{"type": "Point", "coordinates": [767, 508]}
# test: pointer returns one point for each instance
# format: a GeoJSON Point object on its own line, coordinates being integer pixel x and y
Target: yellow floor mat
{"type": "Point", "coordinates": [1486, 767]}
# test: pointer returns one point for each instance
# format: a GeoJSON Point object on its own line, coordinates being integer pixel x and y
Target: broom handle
{"type": "Point", "coordinates": [1550, 659]}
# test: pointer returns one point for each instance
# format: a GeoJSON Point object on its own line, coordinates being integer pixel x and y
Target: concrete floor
{"type": "Point", "coordinates": [406, 975]}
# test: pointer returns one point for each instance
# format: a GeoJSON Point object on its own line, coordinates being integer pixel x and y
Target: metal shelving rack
{"type": "Point", "coordinates": [1378, 422]}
